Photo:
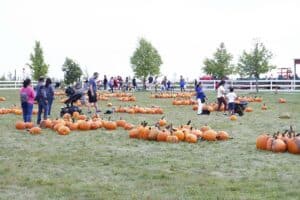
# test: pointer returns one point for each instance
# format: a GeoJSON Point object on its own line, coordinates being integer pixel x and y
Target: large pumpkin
{"type": "Point", "coordinates": [84, 125]}
{"type": "Point", "coordinates": [293, 145]}
{"type": "Point", "coordinates": [209, 135]}
{"type": "Point", "coordinates": [20, 125]}
{"type": "Point", "coordinates": [279, 146]}
{"type": "Point", "coordinates": [134, 133]}
{"type": "Point", "coordinates": [191, 138]}
{"type": "Point", "coordinates": [29, 125]}
{"type": "Point", "coordinates": [180, 135]}
{"type": "Point", "coordinates": [261, 141]}
{"type": "Point", "coordinates": [35, 130]}
{"type": "Point", "coordinates": [63, 130]}
{"type": "Point", "coordinates": [162, 136]}
{"type": "Point", "coordinates": [222, 135]}
{"type": "Point", "coordinates": [172, 139]}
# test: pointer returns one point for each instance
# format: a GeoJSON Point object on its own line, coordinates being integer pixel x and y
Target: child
{"type": "Point", "coordinates": [231, 96]}
{"type": "Point", "coordinates": [200, 98]}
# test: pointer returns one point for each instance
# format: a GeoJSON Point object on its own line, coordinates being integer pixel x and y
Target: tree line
{"type": "Point", "coordinates": [146, 61]}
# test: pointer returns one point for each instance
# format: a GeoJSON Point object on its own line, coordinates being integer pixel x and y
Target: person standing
{"type": "Point", "coordinates": [221, 96]}
{"type": "Point", "coordinates": [134, 83]}
{"type": "Point", "coordinates": [50, 94]}
{"type": "Point", "coordinates": [150, 82]}
{"type": "Point", "coordinates": [92, 93]}
{"type": "Point", "coordinates": [182, 84]}
{"type": "Point", "coordinates": [41, 98]}
{"type": "Point", "coordinates": [105, 81]}
{"type": "Point", "coordinates": [27, 100]}
{"type": "Point", "coordinates": [200, 97]}
{"type": "Point", "coordinates": [231, 96]}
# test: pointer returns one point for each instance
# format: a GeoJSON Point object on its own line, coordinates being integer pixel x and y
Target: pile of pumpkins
{"type": "Point", "coordinates": [183, 101]}
{"type": "Point", "coordinates": [173, 95]}
{"type": "Point", "coordinates": [280, 142]}
{"type": "Point", "coordinates": [211, 107]}
{"type": "Point", "coordinates": [15, 110]}
{"type": "Point", "coordinates": [68, 123]}
{"type": "Point", "coordinates": [250, 99]}
{"type": "Point", "coordinates": [20, 125]}
{"type": "Point", "coordinates": [162, 132]}
{"type": "Point", "coordinates": [125, 99]}
{"type": "Point", "coordinates": [2, 99]}
{"type": "Point", "coordinates": [140, 110]}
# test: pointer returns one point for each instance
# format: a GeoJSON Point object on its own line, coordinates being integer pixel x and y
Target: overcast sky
{"type": "Point", "coordinates": [102, 35]}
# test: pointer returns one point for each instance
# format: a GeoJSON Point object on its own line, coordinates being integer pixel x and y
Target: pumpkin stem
{"type": "Point", "coordinates": [189, 122]}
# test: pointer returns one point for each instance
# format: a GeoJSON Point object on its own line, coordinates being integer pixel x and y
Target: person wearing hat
{"type": "Point", "coordinates": [92, 92]}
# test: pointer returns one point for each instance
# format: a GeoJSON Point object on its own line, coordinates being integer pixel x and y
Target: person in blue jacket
{"type": "Point", "coordinates": [200, 95]}
{"type": "Point", "coordinates": [182, 84]}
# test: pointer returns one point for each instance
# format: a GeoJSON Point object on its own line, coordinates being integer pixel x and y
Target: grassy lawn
{"type": "Point", "coordinates": [108, 165]}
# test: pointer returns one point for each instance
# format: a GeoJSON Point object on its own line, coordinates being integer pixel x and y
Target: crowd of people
{"type": "Point", "coordinates": [43, 93]}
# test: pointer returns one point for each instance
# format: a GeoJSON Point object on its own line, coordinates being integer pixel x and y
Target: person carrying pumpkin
{"type": "Point", "coordinates": [200, 95]}
{"type": "Point", "coordinates": [27, 99]}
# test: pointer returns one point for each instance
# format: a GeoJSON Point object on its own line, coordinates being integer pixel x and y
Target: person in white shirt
{"type": "Point", "coordinates": [221, 96]}
{"type": "Point", "coordinates": [231, 96]}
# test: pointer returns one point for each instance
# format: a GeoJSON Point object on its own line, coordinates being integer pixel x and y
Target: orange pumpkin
{"type": "Point", "coordinates": [153, 133]}
{"type": "Point", "coordinates": [75, 115]}
{"type": "Point", "coordinates": [46, 123]}
{"type": "Point", "coordinates": [191, 138]}
{"type": "Point", "coordinates": [222, 135]}
{"type": "Point", "coordinates": [35, 130]}
{"type": "Point", "coordinates": [264, 107]}
{"type": "Point", "coordinates": [172, 139]}
{"type": "Point", "coordinates": [162, 122]}
{"type": "Point", "coordinates": [134, 133]}
{"type": "Point", "coordinates": [282, 100]}
{"type": "Point", "coordinates": [249, 109]}
{"type": "Point", "coordinates": [84, 125]}
{"type": "Point", "coordinates": [121, 123]}
{"type": "Point", "coordinates": [293, 145]}
{"type": "Point", "coordinates": [204, 128]}
{"type": "Point", "coordinates": [110, 125]}
{"type": "Point", "coordinates": [278, 146]}
{"type": "Point", "coordinates": [128, 126]}
{"type": "Point", "coordinates": [180, 135]}
{"type": "Point", "coordinates": [63, 130]}
{"type": "Point", "coordinates": [209, 135]}
{"type": "Point", "coordinates": [233, 117]}
{"type": "Point", "coordinates": [29, 125]}
{"type": "Point", "coordinates": [162, 136]}
{"type": "Point", "coordinates": [261, 141]}
{"type": "Point", "coordinates": [20, 125]}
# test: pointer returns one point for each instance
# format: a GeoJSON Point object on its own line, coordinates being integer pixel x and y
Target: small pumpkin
{"type": "Point", "coordinates": [233, 117]}
{"type": "Point", "coordinates": [29, 125]}
{"type": "Point", "coordinates": [249, 109]}
{"type": "Point", "coordinates": [261, 141]}
{"type": "Point", "coordinates": [162, 122]}
{"type": "Point", "coordinates": [191, 138]}
{"type": "Point", "coordinates": [264, 107]}
{"type": "Point", "coordinates": [162, 136]}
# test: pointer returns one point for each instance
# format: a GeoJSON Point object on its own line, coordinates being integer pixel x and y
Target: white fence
{"type": "Point", "coordinates": [249, 85]}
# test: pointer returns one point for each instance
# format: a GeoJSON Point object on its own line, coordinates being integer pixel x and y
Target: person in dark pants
{"type": "Point", "coordinates": [105, 81]}
{"type": "Point", "coordinates": [221, 96]}
{"type": "Point", "coordinates": [92, 92]}
{"type": "Point", "coordinates": [41, 98]}
{"type": "Point", "coordinates": [50, 94]}
{"type": "Point", "coordinates": [134, 83]}
{"type": "Point", "coordinates": [27, 100]}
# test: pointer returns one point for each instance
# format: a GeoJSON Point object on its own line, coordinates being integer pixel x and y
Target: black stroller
{"type": "Point", "coordinates": [240, 107]}
{"type": "Point", "coordinates": [70, 108]}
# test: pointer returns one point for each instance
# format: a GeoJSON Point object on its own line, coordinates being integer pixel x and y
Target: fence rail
{"type": "Point", "coordinates": [249, 85]}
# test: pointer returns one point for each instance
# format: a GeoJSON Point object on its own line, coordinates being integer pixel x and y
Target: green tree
{"type": "Point", "coordinates": [145, 60]}
{"type": "Point", "coordinates": [72, 71]}
{"type": "Point", "coordinates": [255, 62]}
{"type": "Point", "coordinates": [38, 66]}
{"type": "Point", "coordinates": [220, 65]}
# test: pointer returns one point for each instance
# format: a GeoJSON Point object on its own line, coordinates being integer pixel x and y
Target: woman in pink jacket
{"type": "Point", "coordinates": [27, 100]}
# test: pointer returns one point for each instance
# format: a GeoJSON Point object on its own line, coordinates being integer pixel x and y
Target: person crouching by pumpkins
{"type": "Point", "coordinates": [200, 95]}
{"type": "Point", "coordinates": [27, 100]}
{"type": "Point", "coordinates": [41, 98]}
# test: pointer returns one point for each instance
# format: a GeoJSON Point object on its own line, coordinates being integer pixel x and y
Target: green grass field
{"type": "Point", "coordinates": [108, 165]}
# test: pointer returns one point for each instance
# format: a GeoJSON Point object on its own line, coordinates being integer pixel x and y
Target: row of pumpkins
{"type": "Point", "coordinates": [280, 142]}
{"type": "Point", "coordinates": [214, 107]}
{"type": "Point", "coordinates": [70, 123]}
{"type": "Point", "coordinates": [182, 101]}
{"type": "Point", "coordinates": [184, 133]}
{"type": "Point", "coordinates": [15, 110]}
{"type": "Point", "coordinates": [139, 110]}
{"type": "Point", "coordinates": [162, 95]}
